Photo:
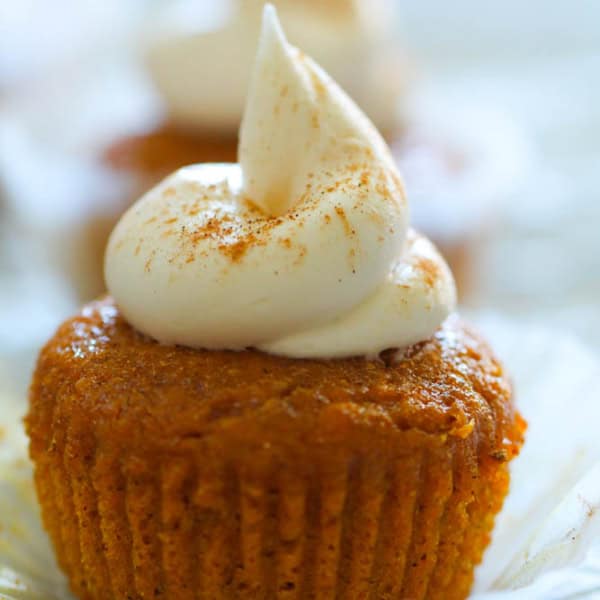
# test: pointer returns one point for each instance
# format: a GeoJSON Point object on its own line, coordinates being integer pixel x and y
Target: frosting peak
{"type": "Point", "coordinates": [303, 249]}
{"type": "Point", "coordinates": [297, 124]}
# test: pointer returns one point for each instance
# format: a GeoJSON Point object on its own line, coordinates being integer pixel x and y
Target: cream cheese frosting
{"type": "Point", "coordinates": [303, 249]}
{"type": "Point", "coordinates": [203, 76]}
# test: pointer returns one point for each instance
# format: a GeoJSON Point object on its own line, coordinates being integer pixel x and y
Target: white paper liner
{"type": "Point", "coordinates": [546, 543]}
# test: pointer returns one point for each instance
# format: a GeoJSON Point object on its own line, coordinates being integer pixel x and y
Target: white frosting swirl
{"type": "Point", "coordinates": [303, 249]}
{"type": "Point", "coordinates": [203, 76]}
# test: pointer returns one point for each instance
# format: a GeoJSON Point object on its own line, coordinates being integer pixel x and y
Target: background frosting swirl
{"type": "Point", "coordinates": [302, 249]}
{"type": "Point", "coordinates": [350, 38]}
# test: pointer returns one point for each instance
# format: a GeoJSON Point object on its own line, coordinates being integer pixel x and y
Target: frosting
{"type": "Point", "coordinates": [302, 249]}
{"type": "Point", "coordinates": [203, 76]}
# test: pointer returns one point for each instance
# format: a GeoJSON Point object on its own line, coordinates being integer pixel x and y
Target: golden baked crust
{"type": "Point", "coordinates": [177, 473]}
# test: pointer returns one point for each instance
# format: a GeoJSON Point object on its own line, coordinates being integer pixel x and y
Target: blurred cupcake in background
{"type": "Point", "coordinates": [201, 73]}
{"type": "Point", "coordinates": [199, 61]}
{"type": "Point", "coordinates": [461, 162]}
{"type": "Point", "coordinates": [184, 105]}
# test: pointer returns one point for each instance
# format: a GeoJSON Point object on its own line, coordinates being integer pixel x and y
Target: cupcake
{"type": "Point", "coordinates": [277, 400]}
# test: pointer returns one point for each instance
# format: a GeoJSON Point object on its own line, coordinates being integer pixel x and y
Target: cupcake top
{"type": "Point", "coordinates": [203, 76]}
{"type": "Point", "coordinates": [302, 249]}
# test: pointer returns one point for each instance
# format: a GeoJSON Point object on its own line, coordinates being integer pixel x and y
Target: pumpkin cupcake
{"type": "Point", "coordinates": [277, 401]}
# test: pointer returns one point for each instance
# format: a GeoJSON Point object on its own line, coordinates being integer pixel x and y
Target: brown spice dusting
{"type": "Point", "coordinates": [344, 219]}
{"type": "Point", "coordinates": [383, 190]}
{"type": "Point", "coordinates": [301, 255]}
{"type": "Point", "coordinates": [237, 251]}
{"type": "Point", "coordinates": [429, 269]}
{"type": "Point", "coordinates": [318, 85]}
{"type": "Point", "coordinates": [148, 263]}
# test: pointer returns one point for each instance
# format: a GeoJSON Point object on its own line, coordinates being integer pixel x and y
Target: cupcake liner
{"type": "Point", "coordinates": [356, 526]}
{"type": "Point", "coordinates": [544, 545]}
{"type": "Point", "coordinates": [166, 487]}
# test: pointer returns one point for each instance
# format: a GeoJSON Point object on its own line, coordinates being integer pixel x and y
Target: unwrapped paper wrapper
{"type": "Point", "coordinates": [546, 543]}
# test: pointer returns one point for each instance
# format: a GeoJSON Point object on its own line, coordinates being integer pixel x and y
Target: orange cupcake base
{"type": "Point", "coordinates": [156, 154]}
{"type": "Point", "coordinates": [415, 529]}
{"type": "Point", "coordinates": [169, 473]}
